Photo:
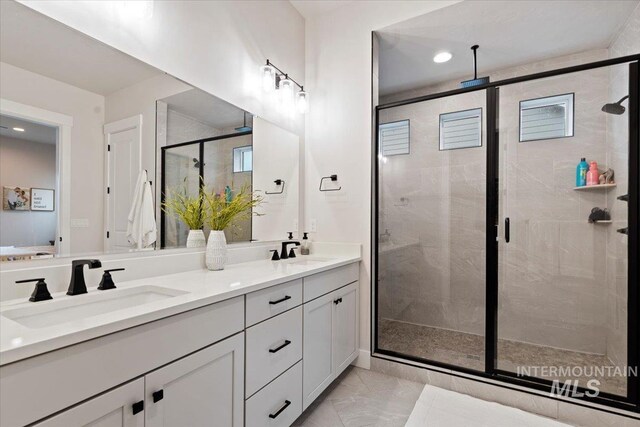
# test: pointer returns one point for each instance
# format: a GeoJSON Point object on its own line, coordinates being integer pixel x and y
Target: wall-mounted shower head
{"type": "Point", "coordinates": [615, 107]}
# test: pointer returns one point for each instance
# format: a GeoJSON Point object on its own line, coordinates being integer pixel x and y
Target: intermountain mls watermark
{"type": "Point", "coordinates": [577, 381]}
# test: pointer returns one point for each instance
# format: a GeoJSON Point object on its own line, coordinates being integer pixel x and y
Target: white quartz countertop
{"type": "Point", "coordinates": [200, 287]}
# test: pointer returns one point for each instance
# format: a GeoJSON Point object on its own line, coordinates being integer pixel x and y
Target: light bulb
{"type": "Point", "coordinates": [442, 57]}
{"type": "Point", "coordinates": [285, 90]}
{"type": "Point", "coordinates": [268, 77]}
{"type": "Point", "coordinates": [302, 101]}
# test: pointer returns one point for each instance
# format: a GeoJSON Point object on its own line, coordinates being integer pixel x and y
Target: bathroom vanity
{"type": "Point", "coordinates": [252, 345]}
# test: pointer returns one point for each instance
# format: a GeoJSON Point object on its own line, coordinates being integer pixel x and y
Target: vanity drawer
{"type": "Point", "coordinates": [279, 403]}
{"type": "Point", "coordinates": [328, 281]}
{"type": "Point", "coordinates": [272, 348]}
{"type": "Point", "coordinates": [268, 302]}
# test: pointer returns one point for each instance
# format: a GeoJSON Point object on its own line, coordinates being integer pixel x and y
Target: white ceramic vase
{"type": "Point", "coordinates": [216, 255]}
{"type": "Point", "coordinates": [195, 239]}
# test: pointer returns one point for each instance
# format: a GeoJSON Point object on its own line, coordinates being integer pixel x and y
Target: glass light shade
{"type": "Point", "coordinates": [268, 78]}
{"type": "Point", "coordinates": [302, 101]}
{"type": "Point", "coordinates": [285, 90]}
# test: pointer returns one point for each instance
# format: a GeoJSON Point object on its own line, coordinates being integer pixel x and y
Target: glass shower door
{"type": "Point", "coordinates": [431, 230]}
{"type": "Point", "coordinates": [562, 263]}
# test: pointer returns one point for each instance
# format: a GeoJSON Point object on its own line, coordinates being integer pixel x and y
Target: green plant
{"type": "Point", "coordinates": [189, 209]}
{"type": "Point", "coordinates": [220, 213]}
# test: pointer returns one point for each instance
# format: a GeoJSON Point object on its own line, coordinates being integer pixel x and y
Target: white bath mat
{"type": "Point", "coordinates": [437, 407]}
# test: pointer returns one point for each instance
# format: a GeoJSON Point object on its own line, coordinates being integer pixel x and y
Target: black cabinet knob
{"type": "Point", "coordinates": [157, 396]}
{"type": "Point", "coordinates": [137, 407]}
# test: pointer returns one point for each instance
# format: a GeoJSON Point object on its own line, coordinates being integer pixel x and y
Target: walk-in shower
{"type": "Point", "coordinates": [484, 259]}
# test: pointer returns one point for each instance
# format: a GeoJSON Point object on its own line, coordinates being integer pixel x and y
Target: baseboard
{"type": "Point", "coordinates": [363, 360]}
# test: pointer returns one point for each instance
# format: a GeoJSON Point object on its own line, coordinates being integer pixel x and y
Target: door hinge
{"type": "Point", "coordinates": [108, 190]}
{"type": "Point", "coordinates": [108, 147]}
{"type": "Point", "coordinates": [107, 234]}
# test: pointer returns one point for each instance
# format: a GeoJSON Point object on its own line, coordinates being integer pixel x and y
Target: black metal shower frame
{"type": "Point", "coordinates": [631, 402]}
{"type": "Point", "coordinates": [200, 143]}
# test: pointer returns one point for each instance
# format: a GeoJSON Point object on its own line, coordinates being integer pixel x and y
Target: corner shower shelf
{"type": "Point", "coordinates": [594, 187]}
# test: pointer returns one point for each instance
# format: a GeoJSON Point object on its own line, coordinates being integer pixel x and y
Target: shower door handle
{"type": "Point", "coordinates": [506, 230]}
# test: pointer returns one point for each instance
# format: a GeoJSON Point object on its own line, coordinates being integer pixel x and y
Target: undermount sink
{"type": "Point", "coordinates": [74, 308]}
{"type": "Point", "coordinates": [309, 261]}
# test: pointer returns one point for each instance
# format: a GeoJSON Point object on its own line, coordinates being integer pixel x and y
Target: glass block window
{"type": "Point", "coordinates": [394, 138]}
{"type": "Point", "coordinates": [546, 118]}
{"type": "Point", "coordinates": [461, 129]}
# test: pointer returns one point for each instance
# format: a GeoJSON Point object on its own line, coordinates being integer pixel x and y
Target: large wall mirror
{"type": "Point", "coordinates": [81, 124]}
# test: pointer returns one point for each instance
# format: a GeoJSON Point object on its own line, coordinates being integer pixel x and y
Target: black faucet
{"type": "Point", "coordinates": [77, 285]}
{"type": "Point", "coordinates": [283, 252]}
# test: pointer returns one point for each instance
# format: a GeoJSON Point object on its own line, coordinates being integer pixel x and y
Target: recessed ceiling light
{"type": "Point", "coordinates": [18, 129]}
{"type": "Point", "coordinates": [442, 57]}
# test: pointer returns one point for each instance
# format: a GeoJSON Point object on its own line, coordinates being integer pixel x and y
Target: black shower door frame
{"type": "Point", "coordinates": [631, 402]}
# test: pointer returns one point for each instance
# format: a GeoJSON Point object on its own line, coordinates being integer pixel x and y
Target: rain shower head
{"type": "Point", "coordinates": [615, 107]}
{"type": "Point", "coordinates": [476, 81]}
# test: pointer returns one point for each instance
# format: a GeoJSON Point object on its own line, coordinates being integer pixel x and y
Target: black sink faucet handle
{"type": "Point", "coordinates": [107, 280]}
{"type": "Point", "coordinates": [275, 256]}
{"type": "Point", "coordinates": [292, 254]}
{"type": "Point", "coordinates": [77, 284]}
{"type": "Point", "coordinates": [40, 292]}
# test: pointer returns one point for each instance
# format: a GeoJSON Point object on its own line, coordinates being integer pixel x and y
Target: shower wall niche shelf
{"type": "Point", "coordinates": [604, 221]}
{"type": "Point", "coordinates": [594, 187]}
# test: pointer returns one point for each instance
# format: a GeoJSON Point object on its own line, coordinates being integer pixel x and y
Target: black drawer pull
{"type": "Point", "coordinates": [280, 300]}
{"type": "Point", "coordinates": [157, 396]}
{"type": "Point", "coordinates": [138, 407]}
{"type": "Point", "coordinates": [507, 230]}
{"type": "Point", "coordinates": [279, 411]}
{"type": "Point", "coordinates": [337, 301]}
{"type": "Point", "coordinates": [280, 347]}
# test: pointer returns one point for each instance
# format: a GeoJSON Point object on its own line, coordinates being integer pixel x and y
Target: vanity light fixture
{"type": "Point", "coordinates": [442, 57]}
{"type": "Point", "coordinates": [273, 78]}
{"type": "Point", "coordinates": [18, 129]}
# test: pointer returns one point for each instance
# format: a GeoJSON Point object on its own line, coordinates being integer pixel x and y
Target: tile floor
{"type": "Point", "coordinates": [360, 398]}
{"type": "Point", "coordinates": [467, 350]}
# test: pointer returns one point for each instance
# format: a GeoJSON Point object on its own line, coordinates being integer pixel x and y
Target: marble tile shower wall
{"type": "Point", "coordinates": [433, 204]}
{"type": "Point", "coordinates": [626, 43]}
{"type": "Point", "coordinates": [555, 273]}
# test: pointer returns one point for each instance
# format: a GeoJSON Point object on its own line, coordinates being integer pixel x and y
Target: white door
{"type": "Point", "coordinates": [123, 142]}
{"type": "Point", "coordinates": [120, 407]}
{"type": "Point", "coordinates": [317, 351]}
{"type": "Point", "coordinates": [204, 389]}
{"type": "Point", "coordinates": [345, 331]}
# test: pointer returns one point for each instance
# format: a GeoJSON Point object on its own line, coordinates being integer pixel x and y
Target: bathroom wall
{"type": "Point", "coordinates": [626, 43]}
{"type": "Point", "coordinates": [27, 164]}
{"type": "Point", "coordinates": [552, 272]}
{"type": "Point", "coordinates": [87, 144]}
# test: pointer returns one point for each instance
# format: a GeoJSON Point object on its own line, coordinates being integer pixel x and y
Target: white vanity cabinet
{"type": "Point", "coordinates": [111, 409]}
{"type": "Point", "coordinates": [330, 333]}
{"type": "Point", "coordinates": [205, 386]}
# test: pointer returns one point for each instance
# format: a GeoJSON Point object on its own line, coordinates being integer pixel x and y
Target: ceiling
{"type": "Point", "coordinates": [206, 108]}
{"type": "Point", "coordinates": [34, 132]}
{"type": "Point", "coordinates": [509, 33]}
{"type": "Point", "coordinates": [312, 8]}
{"type": "Point", "coordinates": [63, 54]}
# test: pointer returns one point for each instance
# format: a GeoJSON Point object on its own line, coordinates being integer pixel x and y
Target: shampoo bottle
{"type": "Point", "coordinates": [592, 174]}
{"type": "Point", "coordinates": [581, 173]}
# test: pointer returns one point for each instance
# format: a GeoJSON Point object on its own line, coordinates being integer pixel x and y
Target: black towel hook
{"type": "Point", "coordinates": [333, 178]}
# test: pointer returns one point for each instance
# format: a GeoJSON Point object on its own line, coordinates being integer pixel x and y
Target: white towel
{"type": "Point", "coordinates": [141, 225]}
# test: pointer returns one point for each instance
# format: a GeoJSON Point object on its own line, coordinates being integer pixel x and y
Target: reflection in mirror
{"type": "Point", "coordinates": [96, 126]}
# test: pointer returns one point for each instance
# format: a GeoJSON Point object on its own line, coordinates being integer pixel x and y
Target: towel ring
{"type": "Point", "coordinates": [278, 182]}
{"type": "Point", "coordinates": [333, 178]}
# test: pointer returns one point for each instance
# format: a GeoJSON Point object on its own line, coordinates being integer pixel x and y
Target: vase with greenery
{"type": "Point", "coordinates": [224, 211]}
{"type": "Point", "coordinates": [188, 209]}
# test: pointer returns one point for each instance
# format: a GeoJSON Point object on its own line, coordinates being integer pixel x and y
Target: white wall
{"type": "Point", "coordinates": [27, 164]}
{"type": "Point", "coordinates": [87, 175]}
{"type": "Point", "coordinates": [339, 124]}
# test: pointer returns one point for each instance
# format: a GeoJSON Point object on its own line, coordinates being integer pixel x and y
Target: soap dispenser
{"type": "Point", "coordinates": [306, 244]}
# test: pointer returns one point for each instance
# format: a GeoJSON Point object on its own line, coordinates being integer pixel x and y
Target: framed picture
{"type": "Point", "coordinates": [42, 199]}
{"type": "Point", "coordinates": [16, 198]}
